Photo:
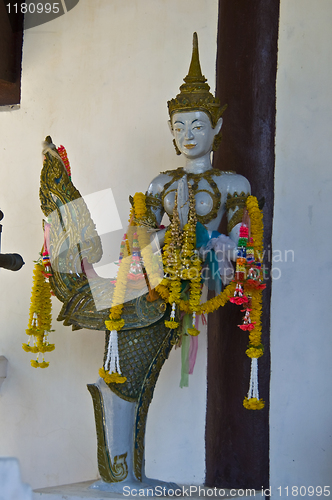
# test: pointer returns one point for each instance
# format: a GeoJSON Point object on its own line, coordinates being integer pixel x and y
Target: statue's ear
{"type": "Point", "coordinates": [170, 127]}
{"type": "Point", "coordinates": [217, 128]}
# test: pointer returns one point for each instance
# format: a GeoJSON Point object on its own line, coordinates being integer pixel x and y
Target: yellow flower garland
{"type": "Point", "coordinates": [140, 205]}
{"type": "Point", "coordinates": [111, 378]}
{"type": "Point", "coordinates": [255, 349]}
{"type": "Point", "coordinates": [253, 404]}
{"type": "Point", "coordinates": [256, 222]}
{"type": "Point", "coordinates": [207, 307]}
{"type": "Point", "coordinates": [137, 216]}
{"type": "Point", "coordinates": [40, 317]}
{"type": "Point", "coordinates": [170, 290]}
{"type": "Point", "coordinates": [115, 321]}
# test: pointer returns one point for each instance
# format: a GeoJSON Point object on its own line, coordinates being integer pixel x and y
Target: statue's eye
{"type": "Point", "coordinates": [178, 129]}
{"type": "Point", "coordinates": [198, 127]}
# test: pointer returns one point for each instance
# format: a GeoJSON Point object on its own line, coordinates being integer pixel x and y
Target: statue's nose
{"type": "Point", "coordinates": [189, 134]}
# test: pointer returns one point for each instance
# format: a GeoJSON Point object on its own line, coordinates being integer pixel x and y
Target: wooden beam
{"type": "Point", "coordinates": [237, 440]}
{"type": "Point", "coordinates": [11, 40]}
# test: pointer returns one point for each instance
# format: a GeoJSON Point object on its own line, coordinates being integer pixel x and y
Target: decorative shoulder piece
{"type": "Point", "coordinates": [152, 202]}
{"type": "Point", "coordinates": [236, 201]}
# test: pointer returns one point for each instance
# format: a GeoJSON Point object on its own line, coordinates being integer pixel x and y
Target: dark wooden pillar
{"type": "Point", "coordinates": [237, 440]}
{"type": "Point", "coordinates": [11, 40]}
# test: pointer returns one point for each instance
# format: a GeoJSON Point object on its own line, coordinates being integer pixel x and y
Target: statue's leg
{"type": "Point", "coordinates": [115, 435]}
{"type": "Point", "coordinates": [141, 414]}
{"type": "Point", "coordinates": [116, 421]}
{"type": "Point", "coordinates": [121, 410]}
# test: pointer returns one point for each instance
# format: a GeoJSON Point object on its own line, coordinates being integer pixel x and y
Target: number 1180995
{"type": "Point", "coordinates": [302, 491]}
{"type": "Point", "coordinates": [32, 8]}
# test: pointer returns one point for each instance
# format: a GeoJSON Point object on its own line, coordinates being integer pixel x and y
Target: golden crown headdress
{"type": "Point", "coordinates": [194, 93]}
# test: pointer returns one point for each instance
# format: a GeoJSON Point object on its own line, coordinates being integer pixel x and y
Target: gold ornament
{"type": "Point", "coordinates": [195, 93]}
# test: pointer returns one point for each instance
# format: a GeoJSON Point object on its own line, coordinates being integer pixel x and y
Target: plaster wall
{"type": "Point", "coordinates": [301, 342]}
{"type": "Point", "coordinates": [97, 80]}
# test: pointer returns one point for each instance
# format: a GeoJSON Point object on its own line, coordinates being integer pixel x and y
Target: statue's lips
{"type": "Point", "coordinates": [190, 146]}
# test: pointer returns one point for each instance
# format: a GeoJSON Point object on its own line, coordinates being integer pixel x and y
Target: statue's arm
{"type": "Point", "coordinates": [238, 189]}
{"type": "Point", "coordinates": [154, 203]}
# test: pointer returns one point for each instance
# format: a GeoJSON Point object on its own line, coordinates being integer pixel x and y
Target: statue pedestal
{"type": "Point", "coordinates": [80, 491]}
{"type": "Point", "coordinates": [76, 491]}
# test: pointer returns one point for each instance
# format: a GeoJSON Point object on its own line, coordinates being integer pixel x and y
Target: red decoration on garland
{"type": "Point", "coordinates": [239, 297]}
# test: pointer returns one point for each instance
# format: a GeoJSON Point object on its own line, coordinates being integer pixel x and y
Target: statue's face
{"type": "Point", "coordinates": [193, 133]}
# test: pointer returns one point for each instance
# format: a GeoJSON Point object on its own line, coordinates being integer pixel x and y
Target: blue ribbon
{"type": "Point", "coordinates": [213, 280]}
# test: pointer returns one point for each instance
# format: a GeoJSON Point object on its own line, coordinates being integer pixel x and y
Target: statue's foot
{"type": "Point", "coordinates": [150, 487]}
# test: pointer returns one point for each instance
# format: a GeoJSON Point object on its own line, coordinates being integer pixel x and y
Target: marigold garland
{"type": "Point", "coordinates": [115, 322]}
{"type": "Point", "coordinates": [181, 264]}
{"type": "Point", "coordinates": [254, 289]}
{"type": "Point", "coordinates": [139, 205]}
{"type": "Point", "coordinates": [172, 324]}
{"type": "Point", "coordinates": [151, 263]}
{"type": "Point", "coordinates": [170, 287]}
{"type": "Point", "coordinates": [253, 352]}
{"type": "Point", "coordinates": [222, 298]}
{"type": "Point", "coordinates": [111, 378]}
{"type": "Point", "coordinates": [253, 404]}
{"type": "Point", "coordinates": [207, 307]}
{"type": "Point", "coordinates": [138, 218]}
{"type": "Point", "coordinates": [250, 287]}
{"type": "Point", "coordinates": [193, 331]}
{"type": "Point", "coordinates": [40, 317]}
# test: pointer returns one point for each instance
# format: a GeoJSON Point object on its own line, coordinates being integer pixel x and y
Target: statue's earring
{"type": "Point", "coordinates": [178, 152]}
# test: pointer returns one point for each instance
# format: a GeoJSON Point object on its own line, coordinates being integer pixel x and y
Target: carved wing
{"type": "Point", "coordinates": [74, 245]}
{"type": "Point", "coordinates": [73, 238]}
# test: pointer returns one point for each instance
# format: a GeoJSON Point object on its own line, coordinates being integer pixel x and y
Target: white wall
{"type": "Point", "coordinates": [97, 80]}
{"type": "Point", "coordinates": [301, 342]}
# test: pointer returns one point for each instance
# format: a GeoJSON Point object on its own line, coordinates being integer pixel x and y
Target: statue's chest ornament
{"type": "Point", "coordinates": [205, 189]}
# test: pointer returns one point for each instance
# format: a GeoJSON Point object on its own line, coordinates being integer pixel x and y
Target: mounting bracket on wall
{"type": "Point", "coordinates": [11, 261]}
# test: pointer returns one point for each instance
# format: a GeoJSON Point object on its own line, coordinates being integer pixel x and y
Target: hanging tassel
{"type": "Point", "coordinates": [239, 297]}
{"type": "Point", "coordinates": [193, 330]}
{"type": "Point", "coordinates": [171, 323]}
{"type": "Point", "coordinates": [40, 317]}
{"type": "Point", "coordinates": [247, 325]}
{"type": "Point", "coordinates": [111, 371]}
{"type": "Point", "coordinates": [39, 364]}
{"type": "Point", "coordinates": [252, 401]}
{"type": "Point", "coordinates": [112, 360]}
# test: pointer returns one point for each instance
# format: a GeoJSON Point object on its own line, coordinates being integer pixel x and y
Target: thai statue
{"type": "Point", "coordinates": [142, 326]}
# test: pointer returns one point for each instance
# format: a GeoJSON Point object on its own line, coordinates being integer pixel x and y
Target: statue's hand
{"type": "Point", "coordinates": [183, 200]}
